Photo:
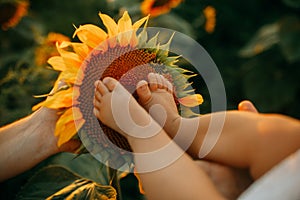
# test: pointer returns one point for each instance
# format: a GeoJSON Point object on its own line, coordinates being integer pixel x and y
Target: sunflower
{"type": "Point", "coordinates": [158, 7]}
{"type": "Point", "coordinates": [210, 19]}
{"type": "Point", "coordinates": [12, 12]}
{"type": "Point", "coordinates": [47, 47]}
{"type": "Point", "coordinates": [120, 52]}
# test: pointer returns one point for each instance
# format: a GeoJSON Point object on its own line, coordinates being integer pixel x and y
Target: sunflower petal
{"type": "Point", "coordinates": [57, 63]}
{"type": "Point", "coordinates": [134, 38]}
{"type": "Point", "coordinates": [110, 24]}
{"type": "Point", "coordinates": [82, 50]}
{"type": "Point", "coordinates": [125, 29]}
{"type": "Point", "coordinates": [191, 100]}
{"type": "Point", "coordinates": [65, 130]}
{"type": "Point", "coordinates": [76, 94]}
{"type": "Point", "coordinates": [112, 28]}
{"type": "Point", "coordinates": [65, 118]}
{"type": "Point", "coordinates": [124, 23]}
{"type": "Point", "coordinates": [68, 76]}
{"type": "Point", "coordinates": [142, 191]}
{"type": "Point", "coordinates": [90, 35]}
{"type": "Point", "coordinates": [59, 100]}
{"type": "Point", "coordinates": [67, 126]}
{"type": "Point", "coordinates": [139, 23]}
{"type": "Point", "coordinates": [71, 59]}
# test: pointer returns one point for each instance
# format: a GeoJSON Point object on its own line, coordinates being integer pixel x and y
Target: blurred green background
{"type": "Point", "coordinates": [255, 44]}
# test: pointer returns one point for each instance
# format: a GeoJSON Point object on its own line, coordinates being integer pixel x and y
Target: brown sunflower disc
{"type": "Point", "coordinates": [126, 64]}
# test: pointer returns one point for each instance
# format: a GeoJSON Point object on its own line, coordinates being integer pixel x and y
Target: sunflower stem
{"type": "Point", "coordinates": [115, 181]}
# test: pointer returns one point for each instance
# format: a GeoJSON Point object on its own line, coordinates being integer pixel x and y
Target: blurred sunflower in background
{"type": "Point", "coordinates": [47, 47]}
{"type": "Point", "coordinates": [11, 12]}
{"type": "Point", "coordinates": [158, 7]}
{"type": "Point", "coordinates": [121, 53]}
{"type": "Point", "coordinates": [209, 13]}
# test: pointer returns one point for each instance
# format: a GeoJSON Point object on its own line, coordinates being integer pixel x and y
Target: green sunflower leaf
{"type": "Point", "coordinates": [57, 182]}
{"type": "Point", "coordinates": [265, 38]}
{"type": "Point", "coordinates": [85, 189]}
{"type": "Point", "coordinates": [289, 33]}
{"type": "Point", "coordinates": [46, 182]}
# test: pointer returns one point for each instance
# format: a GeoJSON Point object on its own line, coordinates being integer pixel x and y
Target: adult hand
{"type": "Point", "coordinates": [29, 141]}
{"type": "Point", "coordinates": [48, 118]}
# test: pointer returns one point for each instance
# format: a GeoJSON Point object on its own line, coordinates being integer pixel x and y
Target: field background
{"type": "Point", "coordinates": [255, 44]}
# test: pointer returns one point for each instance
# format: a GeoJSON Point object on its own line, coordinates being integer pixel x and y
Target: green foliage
{"type": "Point", "coordinates": [46, 182]}
{"type": "Point", "coordinates": [84, 189]}
{"type": "Point", "coordinates": [243, 32]}
{"type": "Point", "coordinates": [255, 45]}
{"type": "Point", "coordinates": [62, 171]}
{"type": "Point", "coordinates": [292, 3]}
{"type": "Point", "coordinates": [289, 32]}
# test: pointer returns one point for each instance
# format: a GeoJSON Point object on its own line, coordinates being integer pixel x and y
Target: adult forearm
{"type": "Point", "coordinates": [25, 143]}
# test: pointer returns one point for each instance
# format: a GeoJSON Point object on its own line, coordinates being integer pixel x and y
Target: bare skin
{"type": "Point", "coordinates": [230, 181]}
{"type": "Point", "coordinates": [261, 144]}
{"type": "Point", "coordinates": [29, 141]}
{"type": "Point", "coordinates": [188, 181]}
{"type": "Point", "coordinates": [262, 140]}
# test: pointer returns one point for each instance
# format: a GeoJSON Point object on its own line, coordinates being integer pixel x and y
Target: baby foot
{"type": "Point", "coordinates": [247, 106]}
{"type": "Point", "coordinates": [159, 91]}
{"type": "Point", "coordinates": [116, 108]}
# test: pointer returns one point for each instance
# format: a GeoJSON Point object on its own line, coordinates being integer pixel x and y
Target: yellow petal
{"type": "Point", "coordinates": [125, 29]}
{"type": "Point", "coordinates": [67, 126]}
{"type": "Point", "coordinates": [82, 50]}
{"type": "Point", "coordinates": [70, 59]}
{"type": "Point", "coordinates": [134, 39]}
{"type": "Point", "coordinates": [139, 23]}
{"type": "Point", "coordinates": [78, 118]}
{"type": "Point", "coordinates": [57, 84]}
{"type": "Point", "coordinates": [124, 23]}
{"type": "Point", "coordinates": [69, 76]}
{"type": "Point", "coordinates": [59, 100]}
{"type": "Point", "coordinates": [125, 38]}
{"type": "Point", "coordinates": [66, 77]}
{"type": "Point", "coordinates": [191, 100]}
{"type": "Point", "coordinates": [110, 24]}
{"type": "Point", "coordinates": [66, 133]}
{"type": "Point", "coordinates": [142, 191]}
{"type": "Point", "coordinates": [80, 76]}
{"type": "Point", "coordinates": [90, 35]}
{"type": "Point", "coordinates": [76, 94]}
{"type": "Point", "coordinates": [57, 63]}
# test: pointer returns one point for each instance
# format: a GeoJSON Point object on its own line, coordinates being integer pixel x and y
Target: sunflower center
{"type": "Point", "coordinates": [131, 67]}
{"type": "Point", "coordinates": [160, 3]}
{"type": "Point", "coordinates": [127, 62]}
{"type": "Point", "coordinates": [7, 12]}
